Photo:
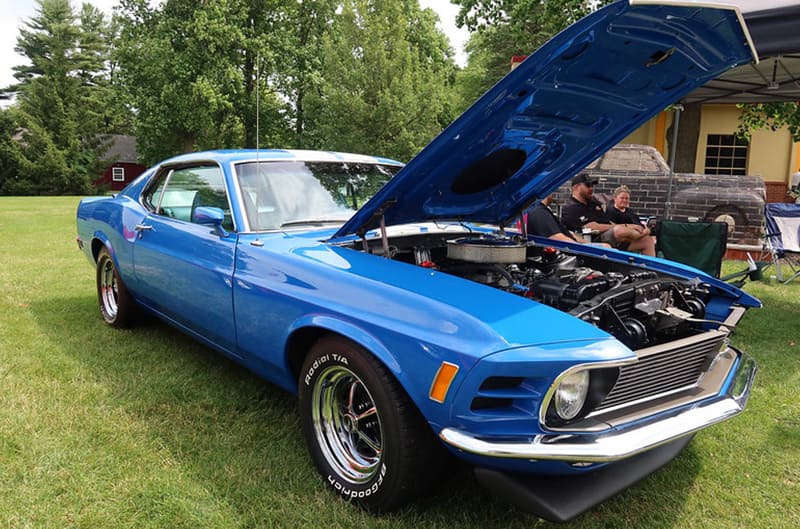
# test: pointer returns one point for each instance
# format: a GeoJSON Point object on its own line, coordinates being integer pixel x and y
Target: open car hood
{"type": "Point", "coordinates": [566, 104]}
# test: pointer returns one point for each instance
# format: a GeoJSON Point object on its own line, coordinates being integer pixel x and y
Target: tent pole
{"type": "Point", "coordinates": [676, 121]}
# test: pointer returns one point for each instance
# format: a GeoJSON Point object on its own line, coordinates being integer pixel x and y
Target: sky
{"type": "Point", "coordinates": [13, 14]}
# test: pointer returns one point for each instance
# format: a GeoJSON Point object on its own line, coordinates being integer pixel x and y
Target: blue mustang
{"type": "Point", "coordinates": [410, 321]}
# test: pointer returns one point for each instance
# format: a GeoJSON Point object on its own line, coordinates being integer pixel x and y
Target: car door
{"type": "Point", "coordinates": [184, 270]}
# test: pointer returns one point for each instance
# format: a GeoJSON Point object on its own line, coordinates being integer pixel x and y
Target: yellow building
{"type": "Point", "coordinates": [770, 154]}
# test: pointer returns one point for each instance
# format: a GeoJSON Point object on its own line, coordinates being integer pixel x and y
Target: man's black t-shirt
{"type": "Point", "coordinates": [543, 222]}
{"type": "Point", "coordinates": [576, 214]}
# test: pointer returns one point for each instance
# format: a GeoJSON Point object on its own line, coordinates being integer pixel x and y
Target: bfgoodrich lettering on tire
{"type": "Point", "coordinates": [366, 437]}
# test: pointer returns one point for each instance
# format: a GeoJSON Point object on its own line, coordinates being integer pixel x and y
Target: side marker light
{"type": "Point", "coordinates": [441, 382]}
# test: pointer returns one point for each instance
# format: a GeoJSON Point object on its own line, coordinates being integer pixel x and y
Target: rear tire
{"type": "Point", "coordinates": [116, 305]}
{"type": "Point", "coordinates": [367, 439]}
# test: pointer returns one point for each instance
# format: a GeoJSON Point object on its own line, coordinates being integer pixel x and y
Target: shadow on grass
{"type": "Point", "coordinates": [240, 438]}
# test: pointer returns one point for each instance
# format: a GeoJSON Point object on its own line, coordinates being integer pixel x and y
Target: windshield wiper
{"type": "Point", "coordinates": [301, 222]}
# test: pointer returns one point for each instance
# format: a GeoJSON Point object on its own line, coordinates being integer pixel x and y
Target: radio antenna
{"type": "Point", "coordinates": [258, 103]}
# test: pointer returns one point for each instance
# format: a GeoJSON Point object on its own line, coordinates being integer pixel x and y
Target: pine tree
{"type": "Point", "coordinates": [59, 100]}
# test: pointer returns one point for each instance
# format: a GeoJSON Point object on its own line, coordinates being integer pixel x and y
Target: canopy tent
{"type": "Point", "coordinates": [773, 26]}
{"type": "Point", "coordinates": [774, 78]}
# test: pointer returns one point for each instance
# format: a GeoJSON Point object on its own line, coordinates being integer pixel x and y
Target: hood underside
{"type": "Point", "coordinates": [566, 104]}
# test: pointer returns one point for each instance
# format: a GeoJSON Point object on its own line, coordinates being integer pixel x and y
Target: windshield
{"type": "Point", "coordinates": [292, 193]}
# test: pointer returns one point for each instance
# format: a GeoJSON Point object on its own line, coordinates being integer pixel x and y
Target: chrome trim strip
{"type": "Point", "coordinates": [620, 443]}
{"type": "Point", "coordinates": [640, 355]}
{"type": "Point", "coordinates": [548, 396]}
{"type": "Point", "coordinates": [683, 343]}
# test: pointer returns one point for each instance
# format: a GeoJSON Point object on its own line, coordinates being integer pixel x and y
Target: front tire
{"type": "Point", "coordinates": [116, 305]}
{"type": "Point", "coordinates": [367, 439]}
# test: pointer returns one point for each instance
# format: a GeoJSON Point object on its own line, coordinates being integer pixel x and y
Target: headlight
{"type": "Point", "coordinates": [570, 395]}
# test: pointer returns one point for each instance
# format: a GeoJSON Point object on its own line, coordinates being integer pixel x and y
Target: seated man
{"type": "Point", "coordinates": [542, 221]}
{"type": "Point", "coordinates": [583, 211]}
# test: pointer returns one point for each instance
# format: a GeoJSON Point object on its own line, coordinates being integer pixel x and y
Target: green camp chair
{"type": "Point", "coordinates": [698, 244]}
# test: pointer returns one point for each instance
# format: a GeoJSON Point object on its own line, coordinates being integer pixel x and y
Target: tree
{"type": "Point", "coordinates": [502, 29]}
{"type": "Point", "coordinates": [190, 71]}
{"type": "Point", "coordinates": [58, 101]}
{"type": "Point", "coordinates": [385, 84]}
{"type": "Point", "coordinates": [312, 20]}
{"type": "Point", "coordinates": [772, 116]}
{"type": "Point", "coordinates": [9, 151]}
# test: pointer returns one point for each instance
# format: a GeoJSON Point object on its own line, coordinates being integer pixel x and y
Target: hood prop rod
{"type": "Point", "coordinates": [379, 214]}
{"type": "Point", "coordinates": [384, 237]}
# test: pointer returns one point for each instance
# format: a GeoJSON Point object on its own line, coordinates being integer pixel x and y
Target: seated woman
{"type": "Point", "coordinates": [620, 212]}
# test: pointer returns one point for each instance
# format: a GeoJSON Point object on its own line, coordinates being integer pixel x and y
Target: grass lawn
{"type": "Point", "coordinates": [147, 429]}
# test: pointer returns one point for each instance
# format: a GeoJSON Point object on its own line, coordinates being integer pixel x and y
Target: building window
{"type": "Point", "coordinates": [726, 154]}
{"type": "Point", "coordinates": [118, 174]}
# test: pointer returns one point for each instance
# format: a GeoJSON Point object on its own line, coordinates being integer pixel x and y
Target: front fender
{"type": "Point", "coordinates": [415, 376]}
{"type": "Point", "coordinates": [350, 331]}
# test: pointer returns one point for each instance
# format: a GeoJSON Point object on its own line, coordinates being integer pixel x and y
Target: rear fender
{"type": "Point", "coordinates": [100, 240]}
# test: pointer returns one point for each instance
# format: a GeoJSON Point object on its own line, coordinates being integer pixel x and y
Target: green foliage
{"type": "Point", "coordinates": [177, 69]}
{"type": "Point", "coordinates": [770, 116]}
{"type": "Point", "coordinates": [9, 150]}
{"type": "Point", "coordinates": [195, 72]}
{"type": "Point", "coordinates": [298, 64]}
{"type": "Point", "coordinates": [371, 76]}
{"type": "Point", "coordinates": [59, 109]}
{"type": "Point", "coordinates": [506, 28]}
{"type": "Point", "coordinates": [385, 80]}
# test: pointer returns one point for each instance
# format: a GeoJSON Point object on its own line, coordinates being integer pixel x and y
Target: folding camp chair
{"type": "Point", "coordinates": [782, 239]}
{"type": "Point", "coordinates": [698, 244]}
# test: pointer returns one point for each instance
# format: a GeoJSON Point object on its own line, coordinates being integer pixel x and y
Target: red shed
{"type": "Point", "coordinates": [125, 166]}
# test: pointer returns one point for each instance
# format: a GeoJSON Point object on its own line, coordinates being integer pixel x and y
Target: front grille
{"type": "Point", "coordinates": [663, 369]}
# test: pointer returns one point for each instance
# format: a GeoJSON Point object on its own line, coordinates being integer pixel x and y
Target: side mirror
{"type": "Point", "coordinates": [209, 216]}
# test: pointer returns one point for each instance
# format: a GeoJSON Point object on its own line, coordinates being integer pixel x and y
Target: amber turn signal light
{"type": "Point", "coordinates": [441, 382]}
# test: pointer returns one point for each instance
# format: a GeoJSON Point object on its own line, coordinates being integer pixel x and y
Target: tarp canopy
{"type": "Point", "coordinates": [774, 28]}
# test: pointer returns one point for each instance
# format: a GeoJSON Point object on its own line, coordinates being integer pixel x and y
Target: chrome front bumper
{"type": "Point", "coordinates": [620, 443]}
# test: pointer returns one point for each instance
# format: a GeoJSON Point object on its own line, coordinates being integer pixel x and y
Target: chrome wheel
{"type": "Point", "coordinates": [347, 424]}
{"type": "Point", "coordinates": [108, 289]}
{"type": "Point", "coordinates": [368, 440]}
{"type": "Point", "coordinates": [116, 305]}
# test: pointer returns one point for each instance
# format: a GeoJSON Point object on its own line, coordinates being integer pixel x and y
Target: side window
{"type": "Point", "coordinates": [178, 193]}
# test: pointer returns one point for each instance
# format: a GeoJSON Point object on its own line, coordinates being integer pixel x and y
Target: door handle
{"type": "Point", "coordinates": [143, 227]}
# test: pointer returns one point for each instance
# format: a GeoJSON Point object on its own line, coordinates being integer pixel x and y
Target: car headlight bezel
{"type": "Point", "coordinates": [570, 395]}
{"type": "Point", "coordinates": [589, 386]}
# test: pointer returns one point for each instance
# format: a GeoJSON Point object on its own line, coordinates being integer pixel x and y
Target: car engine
{"type": "Point", "coordinates": [639, 307]}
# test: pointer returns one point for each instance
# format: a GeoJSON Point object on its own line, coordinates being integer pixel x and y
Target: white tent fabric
{"type": "Point", "coordinates": [773, 26]}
